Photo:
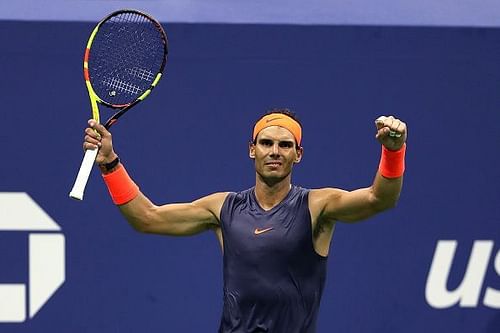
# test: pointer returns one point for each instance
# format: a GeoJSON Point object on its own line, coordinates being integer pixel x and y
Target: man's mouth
{"type": "Point", "coordinates": [273, 163]}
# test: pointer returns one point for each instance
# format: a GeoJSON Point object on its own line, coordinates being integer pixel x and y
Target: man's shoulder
{"type": "Point", "coordinates": [319, 197]}
{"type": "Point", "coordinates": [325, 191]}
{"type": "Point", "coordinates": [213, 201]}
{"type": "Point", "coordinates": [241, 194]}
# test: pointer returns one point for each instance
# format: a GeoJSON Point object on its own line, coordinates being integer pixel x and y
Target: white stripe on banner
{"type": "Point", "coordinates": [461, 13]}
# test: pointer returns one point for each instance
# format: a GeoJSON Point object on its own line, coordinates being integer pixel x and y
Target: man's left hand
{"type": "Point", "coordinates": [391, 132]}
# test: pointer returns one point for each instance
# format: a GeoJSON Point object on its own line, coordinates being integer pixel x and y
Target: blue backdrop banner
{"type": "Point", "coordinates": [432, 264]}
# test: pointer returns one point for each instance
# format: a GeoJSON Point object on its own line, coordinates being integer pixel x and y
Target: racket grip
{"type": "Point", "coordinates": [83, 174]}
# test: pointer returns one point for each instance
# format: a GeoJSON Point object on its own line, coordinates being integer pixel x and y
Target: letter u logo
{"type": "Point", "coordinates": [467, 293]}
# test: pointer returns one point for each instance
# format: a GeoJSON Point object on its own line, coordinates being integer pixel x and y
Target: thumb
{"type": "Point", "coordinates": [379, 122]}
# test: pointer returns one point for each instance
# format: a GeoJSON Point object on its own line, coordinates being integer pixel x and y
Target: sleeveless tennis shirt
{"type": "Point", "coordinates": [273, 277]}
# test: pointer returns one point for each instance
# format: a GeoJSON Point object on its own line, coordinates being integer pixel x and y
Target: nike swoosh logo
{"type": "Point", "coordinates": [272, 119]}
{"type": "Point", "coordinates": [258, 231]}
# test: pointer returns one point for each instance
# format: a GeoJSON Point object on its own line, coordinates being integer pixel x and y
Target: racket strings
{"type": "Point", "coordinates": [122, 86]}
{"type": "Point", "coordinates": [141, 73]}
{"type": "Point", "coordinates": [127, 53]}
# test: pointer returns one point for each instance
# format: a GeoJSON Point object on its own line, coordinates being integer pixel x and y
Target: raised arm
{"type": "Point", "coordinates": [330, 204]}
{"type": "Point", "coordinates": [180, 219]}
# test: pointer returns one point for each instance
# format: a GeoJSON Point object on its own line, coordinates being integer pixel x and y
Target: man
{"type": "Point", "coordinates": [275, 236]}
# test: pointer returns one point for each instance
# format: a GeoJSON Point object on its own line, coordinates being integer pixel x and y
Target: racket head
{"type": "Point", "coordinates": [124, 59]}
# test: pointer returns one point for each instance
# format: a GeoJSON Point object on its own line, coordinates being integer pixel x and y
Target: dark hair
{"type": "Point", "coordinates": [286, 112]}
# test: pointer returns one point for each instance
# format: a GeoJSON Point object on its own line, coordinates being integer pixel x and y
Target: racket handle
{"type": "Point", "coordinates": [83, 174]}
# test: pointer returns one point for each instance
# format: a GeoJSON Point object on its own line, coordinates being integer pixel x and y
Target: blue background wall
{"type": "Point", "coordinates": [190, 139]}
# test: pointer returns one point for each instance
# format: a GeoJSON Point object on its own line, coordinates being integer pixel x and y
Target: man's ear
{"type": "Point", "coordinates": [251, 150]}
{"type": "Point", "coordinates": [300, 153]}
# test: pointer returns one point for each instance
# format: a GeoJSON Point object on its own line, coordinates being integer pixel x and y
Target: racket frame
{"type": "Point", "coordinates": [83, 175]}
{"type": "Point", "coordinates": [94, 98]}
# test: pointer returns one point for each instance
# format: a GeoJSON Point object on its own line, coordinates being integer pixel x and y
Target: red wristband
{"type": "Point", "coordinates": [121, 187]}
{"type": "Point", "coordinates": [392, 163]}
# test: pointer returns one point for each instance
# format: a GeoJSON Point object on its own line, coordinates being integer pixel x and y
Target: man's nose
{"type": "Point", "coordinates": [275, 149]}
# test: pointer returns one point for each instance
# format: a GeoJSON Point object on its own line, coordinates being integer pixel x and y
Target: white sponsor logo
{"type": "Point", "coordinates": [46, 257]}
{"type": "Point", "coordinates": [468, 292]}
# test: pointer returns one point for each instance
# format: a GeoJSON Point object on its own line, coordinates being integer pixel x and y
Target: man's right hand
{"type": "Point", "coordinates": [98, 137]}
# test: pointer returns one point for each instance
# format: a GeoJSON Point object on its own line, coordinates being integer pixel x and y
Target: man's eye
{"type": "Point", "coordinates": [286, 144]}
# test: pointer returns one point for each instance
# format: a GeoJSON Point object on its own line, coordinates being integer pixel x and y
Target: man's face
{"type": "Point", "coordinates": [274, 153]}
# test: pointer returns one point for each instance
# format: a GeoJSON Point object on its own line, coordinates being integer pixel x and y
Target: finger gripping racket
{"type": "Point", "coordinates": [123, 61]}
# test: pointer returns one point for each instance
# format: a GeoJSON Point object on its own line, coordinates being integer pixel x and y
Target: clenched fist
{"type": "Point", "coordinates": [391, 132]}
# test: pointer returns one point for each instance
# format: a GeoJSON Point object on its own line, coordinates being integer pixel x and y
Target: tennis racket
{"type": "Point", "coordinates": [124, 60]}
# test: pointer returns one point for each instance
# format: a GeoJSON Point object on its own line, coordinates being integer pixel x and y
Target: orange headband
{"type": "Point", "coordinates": [279, 119]}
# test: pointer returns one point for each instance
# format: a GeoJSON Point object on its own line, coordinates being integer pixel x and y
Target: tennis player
{"type": "Point", "coordinates": [275, 236]}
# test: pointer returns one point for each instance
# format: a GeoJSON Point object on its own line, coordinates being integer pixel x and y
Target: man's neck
{"type": "Point", "coordinates": [268, 196]}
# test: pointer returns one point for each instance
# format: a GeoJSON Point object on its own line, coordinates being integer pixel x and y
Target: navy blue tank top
{"type": "Point", "coordinates": [273, 277]}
